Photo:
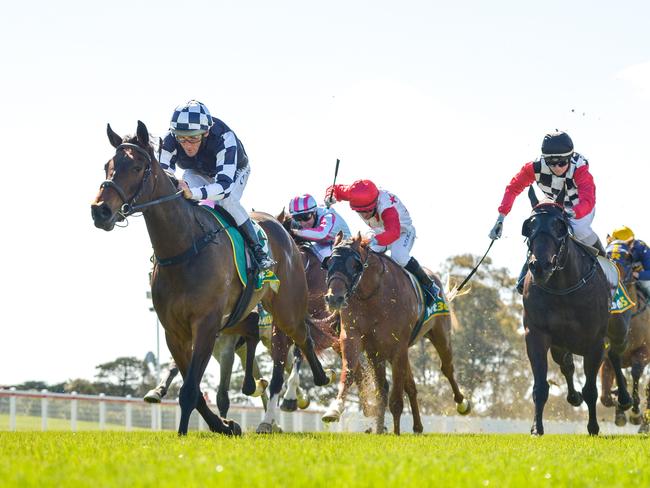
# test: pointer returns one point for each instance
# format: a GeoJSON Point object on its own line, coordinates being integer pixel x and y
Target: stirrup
{"type": "Point", "coordinates": [264, 261]}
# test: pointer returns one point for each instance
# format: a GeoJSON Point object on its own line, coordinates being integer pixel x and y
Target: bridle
{"type": "Point", "coordinates": [129, 206]}
{"type": "Point", "coordinates": [350, 280]}
{"type": "Point", "coordinates": [561, 256]}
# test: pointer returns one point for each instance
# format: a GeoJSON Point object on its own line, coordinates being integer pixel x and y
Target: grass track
{"type": "Point", "coordinates": [320, 460]}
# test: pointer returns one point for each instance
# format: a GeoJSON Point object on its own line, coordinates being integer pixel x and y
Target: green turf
{"type": "Point", "coordinates": [328, 460]}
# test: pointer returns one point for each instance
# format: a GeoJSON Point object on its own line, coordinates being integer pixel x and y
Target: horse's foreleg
{"type": "Point", "coordinates": [624, 399]}
{"type": "Point", "coordinates": [592, 362]}
{"type": "Point", "coordinates": [290, 400]}
{"type": "Point", "coordinates": [400, 370]}
{"type": "Point", "coordinates": [645, 423]}
{"type": "Point", "coordinates": [440, 337]}
{"type": "Point", "coordinates": [606, 379]}
{"type": "Point", "coordinates": [412, 393]}
{"type": "Point", "coordinates": [350, 350]}
{"type": "Point", "coordinates": [564, 359]}
{"type": "Point", "coordinates": [224, 352]}
{"type": "Point", "coordinates": [537, 345]}
{"type": "Point", "coordinates": [637, 371]}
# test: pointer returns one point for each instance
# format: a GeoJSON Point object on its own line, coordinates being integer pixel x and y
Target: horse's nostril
{"type": "Point", "coordinates": [101, 212]}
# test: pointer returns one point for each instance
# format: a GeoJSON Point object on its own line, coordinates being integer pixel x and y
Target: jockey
{"type": "Point", "coordinates": [215, 166]}
{"type": "Point", "coordinates": [392, 228]}
{"type": "Point", "coordinates": [316, 224]}
{"type": "Point", "coordinates": [640, 257]}
{"type": "Point", "coordinates": [559, 167]}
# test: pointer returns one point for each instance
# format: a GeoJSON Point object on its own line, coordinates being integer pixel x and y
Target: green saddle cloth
{"type": "Point", "coordinates": [621, 301]}
{"type": "Point", "coordinates": [239, 251]}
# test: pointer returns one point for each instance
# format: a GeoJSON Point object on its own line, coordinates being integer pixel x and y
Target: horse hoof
{"type": "Point", "coordinates": [464, 407]}
{"type": "Point", "coordinates": [330, 416]}
{"type": "Point", "coordinates": [535, 432]}
{"type": "Point", "coordinates": [331, 376]}
{"type": "Point", "coordinates": [153, 396]}
{"type": "Point", "coordinates": [289, 405]}
{"type": "Point", "coordinates": [303, 402]}
{"type": "Point", "coordinates": [276, 429]}
{"type": "Point", "coordinates": [248, 388]}
{"type": "Point", "coordinates": [607, 401]}
{"type": "Point", "coordinates": [636, 418]}
{"type": "Point", "coordinates": [235, 428]}
{"type": "Point", "coordinates": [575, 399]}
{"type": "Point", "coordinates": [620, 420]}
{"type": "Point", "coordinates": [264, 428]}
{"type": "Point", "coordinates": [645, 428]}
{"type": "Point", "coordinates": [260, 387]}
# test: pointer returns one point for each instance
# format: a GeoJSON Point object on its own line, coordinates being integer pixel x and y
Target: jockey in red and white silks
{"type": "Point", "coordinates": [316, 224]}
{"type": "Point", "coordinates": [390, 223]}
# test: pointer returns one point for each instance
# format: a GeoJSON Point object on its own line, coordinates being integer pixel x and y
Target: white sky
{"type": "Point", "coordinates": [440, 102]}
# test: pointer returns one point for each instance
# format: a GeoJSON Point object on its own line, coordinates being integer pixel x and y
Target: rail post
{"type": "Point", "coordinates": [73, 412]}
{"type": "Point", "coordinates": [12, 410]}
{"type": "Point", "coordinates": [44, 410]}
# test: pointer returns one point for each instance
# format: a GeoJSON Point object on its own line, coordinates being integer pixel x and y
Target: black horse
{"type": "Point", "coordinates": [566, 308]}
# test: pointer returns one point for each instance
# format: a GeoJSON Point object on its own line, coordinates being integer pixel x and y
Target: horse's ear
{"type": "Point", "coordinates": [560, 196]}
{"type": "Point", "coordinates": [142, 134]}
{"type": "Point", "coordinates": [534, 201]}
{"type": "Point", "coordinates": [338, 238]}
{"type": "Point", "coordinates": [113, 138]}
{"type": "Point", "coordinates": [281, 216]}
{"type": "Point", "coordinates": [609, 239]}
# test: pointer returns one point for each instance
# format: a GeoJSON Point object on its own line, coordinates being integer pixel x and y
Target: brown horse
{"type": "Point", "coordinates": [637, 353]}
{"type": "Point", "coordinates": [194, 285]}
{"type": "Point", "coordinates": [379, 309]}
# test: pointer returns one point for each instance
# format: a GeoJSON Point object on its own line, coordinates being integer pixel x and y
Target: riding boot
{"type": "Point", "coordinates": [248, 231]}
{"type": "Point", "coordinates": [522, 277]}
{"type": "Point", "coordinates": [428, 285]}
{"type": "Point", "coordinates": [599, 245]}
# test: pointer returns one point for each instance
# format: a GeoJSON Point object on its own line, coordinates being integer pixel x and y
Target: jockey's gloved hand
{"type": "Point", "coordinates": [569, 212]}
{"type": "Point", "coordinates": [497, 230]}
{"type": "Point", "coordinates": [329, 200]}
{"type": "Point", "coordinates": [295, 225]}
{"type": "Point", "coordinates": [373, 242]}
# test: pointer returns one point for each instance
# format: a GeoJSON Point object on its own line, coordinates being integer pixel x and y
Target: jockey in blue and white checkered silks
{"type": "Point", "coordinates": [215, 166]}
{"type": "Point", "coordinates": [316, 223]}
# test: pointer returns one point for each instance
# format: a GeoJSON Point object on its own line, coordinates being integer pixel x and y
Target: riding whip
{"type": "Point", "coordinates": [475, 267]}
{"type": "Point", "coordinates": [336, 173]}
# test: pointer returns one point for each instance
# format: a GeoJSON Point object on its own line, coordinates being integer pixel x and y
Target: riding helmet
{"type": "Point", "coordinates": [557, 144]}
{"type": "Point", "coordinates": [191, 119]}
{"type": "Point", "coordinates": [623, 233]}
{"type": "Point", "coordinates": [363, 196]}
{"type": "Point", "coordinates": [302, 204]}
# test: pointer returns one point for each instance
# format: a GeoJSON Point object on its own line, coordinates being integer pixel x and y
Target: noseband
{"type": "Point", "coordinates": [562, 253]}
{"type": "Point", "coordinates": [351, 280]}
{"type": "Point", "coordinates": [129, 207]}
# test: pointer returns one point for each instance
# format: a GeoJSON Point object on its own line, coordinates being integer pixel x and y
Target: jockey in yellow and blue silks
{"type": "Point", "coordinates": [640, 253]}
{"type": "Point", "coordinates": [215, 166]}
{"type": "Point", "coordinates": [316, 224]}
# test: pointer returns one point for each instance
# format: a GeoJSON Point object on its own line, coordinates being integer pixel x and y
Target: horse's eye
{"type": "Point", "coordinates": [136, 168]}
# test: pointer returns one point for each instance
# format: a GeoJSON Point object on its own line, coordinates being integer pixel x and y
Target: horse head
{"type": "Point", "coordinates": [619, 252]}
{"type": "Point", "coordinates": [345, 268]}
{"type": "Point", "coordinates": [127, 177]}
{"type": "Point", "coordinates": [547, 231]}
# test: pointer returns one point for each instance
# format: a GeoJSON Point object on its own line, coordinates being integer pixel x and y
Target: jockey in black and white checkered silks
{"type": "Point", "coordinates": [215, 166]}
{"type": "Point", "coordinates": [558, 168]}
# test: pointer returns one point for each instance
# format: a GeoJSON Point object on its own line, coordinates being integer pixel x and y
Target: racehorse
{"type": "Point", "coordinates": [566, 308]}
{"type": "Point", "coordinates": [379, 309]}
{"type": "Point", "coordinates": [637, 353]}
{"type": "Point", "coordinates": [194, 282]}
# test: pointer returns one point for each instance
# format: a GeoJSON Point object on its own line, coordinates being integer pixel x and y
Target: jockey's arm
{"type": "Point", "coordinates": [586, 192]}
{"type": "Point", "coordinates": [643, 257]}
{"type": "Point", "coordinates": [319, 233]}
{"type": "Point", "coordinates": [519, 183]}
{"type": "Point", "coordinates": [392, 227]}
{"type": "Point", "coordinates": [341, 193]}
{"type": "Point", "coordinates": [226, 169]}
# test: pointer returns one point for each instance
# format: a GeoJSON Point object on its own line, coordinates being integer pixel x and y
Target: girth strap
{"type": "Point", "coordinates": [197, 247]}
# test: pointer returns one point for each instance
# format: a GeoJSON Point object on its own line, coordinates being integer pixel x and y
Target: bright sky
{"type": "Point", "coordinates": [439, 102]}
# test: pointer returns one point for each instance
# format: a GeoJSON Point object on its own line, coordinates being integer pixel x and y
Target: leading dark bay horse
{"type": "Point", "coordinates": [195, 295]}
{"type": "Point", "coordinates": [567, 300]}
{"type": "Point", "coordinates": [637, 351]}
{"type": "Point", "coordinates": [379, 309]}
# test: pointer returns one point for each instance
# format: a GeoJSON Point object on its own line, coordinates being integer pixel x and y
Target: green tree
{"type": "Point", "coordinates": [121, 376]}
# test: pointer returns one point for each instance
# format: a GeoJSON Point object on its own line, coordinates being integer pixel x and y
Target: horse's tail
{"type": "Point", "coordinates": [322, 331]}
{"type": "Point", "coordinates": [452, 292]}
{"type": "Point", "coordinates": [455, 324]}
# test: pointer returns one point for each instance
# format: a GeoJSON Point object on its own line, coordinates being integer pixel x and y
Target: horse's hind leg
{"type": "Point", "coordinates": [412, 393]}
{"type": "Point", "coordinates": [564, 359]}
{"type": "Point", "coordinates": [158, 393]}
{"type": "Point", "coordinates": [440, 337]}
{"type": "Point", "coordinates": [400, 370]}
{"type": "Point", "coordinates": [279, 351]}
{"type": "Point", "coordinates": [350, 351]}
{"type": "Point", "coordinates": [224, 353]}
{"type": "Point", "coordinates": [606, 379]}
{"type": "Point", "coordinates": [537, 345]}
{"type": "Point", "coordinates": [290, 400]}
{"type": "Point", "coordinates": [624, 399]}
{"type": "Point", "coordinates": [637, 371]}
{"type": "Point", "coordinates": [645, 424]}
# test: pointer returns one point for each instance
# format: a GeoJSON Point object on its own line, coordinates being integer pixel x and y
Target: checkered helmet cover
{"type": "Point", "coordinates": [191, 116]}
